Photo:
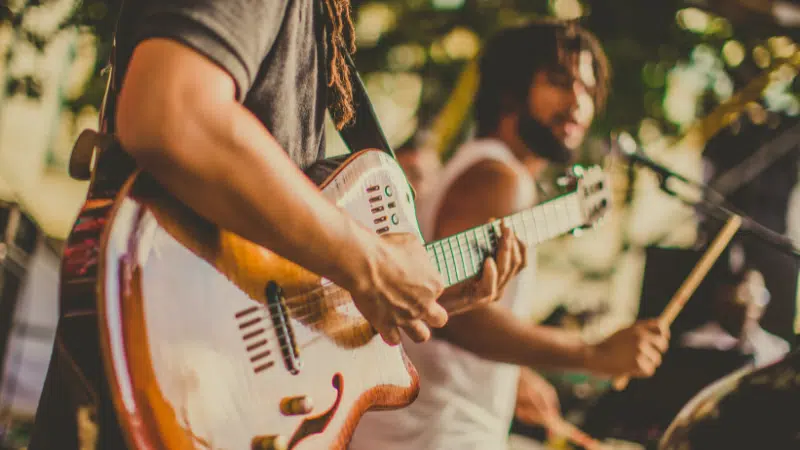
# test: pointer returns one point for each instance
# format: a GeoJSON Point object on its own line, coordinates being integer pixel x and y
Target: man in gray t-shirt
{"type": "Point", "coordinates": [223, 102]}
{"type": "Point", "coordinates": [273, 50]}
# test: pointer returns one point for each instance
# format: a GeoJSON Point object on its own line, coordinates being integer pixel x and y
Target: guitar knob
{"type": "Point", "coordinates": [271, 442]}
{"type": "Point", "coordinates": [293, 406]}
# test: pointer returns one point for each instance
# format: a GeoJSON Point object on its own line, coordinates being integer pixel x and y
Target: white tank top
{"type": "Point", "coordinates": [465, 402]}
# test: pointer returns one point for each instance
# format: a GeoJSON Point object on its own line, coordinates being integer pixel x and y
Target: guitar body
{"type": "Point", "coordinates": [211, 341]}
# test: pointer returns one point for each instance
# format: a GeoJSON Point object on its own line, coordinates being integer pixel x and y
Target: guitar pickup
{"type": "Point", "coordinates": [283, 328]}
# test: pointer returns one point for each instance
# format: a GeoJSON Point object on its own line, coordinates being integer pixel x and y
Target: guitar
{"type": "Point", "coordinates": [211, 341]}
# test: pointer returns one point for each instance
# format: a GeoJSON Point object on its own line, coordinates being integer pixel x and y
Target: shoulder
{"type": "Point", "coordinates": [487, 189]}
{"type": "Point", "coordinates": [490, 177]}
{"type": "Point", "coordinates": [236, 35]}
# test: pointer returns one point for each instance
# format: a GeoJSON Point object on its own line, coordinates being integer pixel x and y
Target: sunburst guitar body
{"type": "Point", "coordinates": [213, 342]}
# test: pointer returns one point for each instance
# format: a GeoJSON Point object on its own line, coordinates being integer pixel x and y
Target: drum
{"type": "Point", "coordinates": [748, 409]}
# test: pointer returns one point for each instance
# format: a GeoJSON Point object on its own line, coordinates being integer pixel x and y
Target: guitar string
{"type": "Point", "coordinates": [336, 293]}
{"type": "Point", "coordinates": [337, 290]}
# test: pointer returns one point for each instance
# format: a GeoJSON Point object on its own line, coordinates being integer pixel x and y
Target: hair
{"type": "Point", "coordinates": [512, 57]}
{"type": "Point", "coordinates": [340, 37]}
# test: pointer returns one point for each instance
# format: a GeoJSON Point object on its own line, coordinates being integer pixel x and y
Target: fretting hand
{"type": "Point", "coordinates": [496, 273]}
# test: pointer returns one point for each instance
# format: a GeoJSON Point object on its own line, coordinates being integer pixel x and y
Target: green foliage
{"type": "Point", "coordinates": [644, 40]}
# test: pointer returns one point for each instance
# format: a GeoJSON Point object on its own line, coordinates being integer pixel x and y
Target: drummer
{"type": "Point", "coordinates": [723, 334]}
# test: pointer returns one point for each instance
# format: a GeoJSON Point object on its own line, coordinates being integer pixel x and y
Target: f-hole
{"type": "Point", "coordinates": [317, 424]}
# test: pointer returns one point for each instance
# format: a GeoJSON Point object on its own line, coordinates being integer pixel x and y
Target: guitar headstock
{"type": "Point", "coordinates": [594, 194]}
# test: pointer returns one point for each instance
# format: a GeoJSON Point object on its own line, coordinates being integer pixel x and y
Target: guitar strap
{"type": "Point", "coordinates": [363, 132]}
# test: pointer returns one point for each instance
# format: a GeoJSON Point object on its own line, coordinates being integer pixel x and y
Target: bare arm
{"type": "Point", "coordinates": [178, 117]}
{"type": "Point", "coordinates": [490, 190]}
{"type": "Point", "coordinates": [493, 332]}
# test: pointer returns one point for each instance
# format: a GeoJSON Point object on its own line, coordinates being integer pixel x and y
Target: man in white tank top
{"type": "Point", "coordinates": [536, 99]}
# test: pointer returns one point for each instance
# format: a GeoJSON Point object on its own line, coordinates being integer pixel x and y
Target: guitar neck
{"type": "Point", "coordinates": [460, 257]}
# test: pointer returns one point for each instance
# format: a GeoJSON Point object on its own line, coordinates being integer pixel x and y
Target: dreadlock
{"type": "Point", "coordinates": [340, 37]}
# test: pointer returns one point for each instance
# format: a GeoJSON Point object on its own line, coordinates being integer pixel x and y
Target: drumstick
{"type": "Point", "coordinates": [689, 285]}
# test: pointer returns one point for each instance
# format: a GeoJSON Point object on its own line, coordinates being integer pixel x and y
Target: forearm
{"type": "Point", "coordinates": [222, 163]}
{"type": "Point", "coordinates": [494, 333]}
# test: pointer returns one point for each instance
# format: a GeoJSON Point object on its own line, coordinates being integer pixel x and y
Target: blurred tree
{"type": "Point", "coordinates": [647, 42]}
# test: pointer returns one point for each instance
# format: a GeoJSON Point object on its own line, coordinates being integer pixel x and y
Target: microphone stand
{"type": "Point", "coordinates": [714, 208]}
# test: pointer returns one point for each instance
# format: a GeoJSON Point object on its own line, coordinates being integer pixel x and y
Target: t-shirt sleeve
{"type": "Point", "coordinates": [235, 34]}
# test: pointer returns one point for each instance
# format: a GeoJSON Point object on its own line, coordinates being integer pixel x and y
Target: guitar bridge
{"type": "Point", "coordinates": [283, 328]}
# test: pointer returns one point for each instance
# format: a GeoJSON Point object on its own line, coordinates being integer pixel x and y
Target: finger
{"type": "Point", "coordinates": [487, 285]}
{"type": "Point", "coordinates": [649, 351]}
{"type": "Point", "coordinates": [657, 335]}
{"type": "Point", "coordinates": [523, 251]}
{"type": "Point", "coordinates": [390, 334]}
{"type": "Point", "coordinates": [417, 331]}
{"type": "Point", "coordinates": [554, 403]}
{"type": "Point", "coordinates": [434, 315]}
{"type": "Point", "coordinates": [661, 343]}
{"type": "Point", "coordinates": [504, 254]}
{"type": "Point", "coordinates": [516, 257]}
{"type": "Point", "coordinates": [656, 326]}
{"type": "Point", "coordinates": [644, 367]}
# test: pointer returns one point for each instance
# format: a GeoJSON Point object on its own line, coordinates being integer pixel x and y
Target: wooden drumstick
{"type": "Point", "coordinates": [689, 285]}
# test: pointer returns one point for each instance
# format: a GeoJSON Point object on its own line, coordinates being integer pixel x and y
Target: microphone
{"type": "Point", "coordinates": [714, 203]}
{"type": "Point", "coordinates": [624, 145]}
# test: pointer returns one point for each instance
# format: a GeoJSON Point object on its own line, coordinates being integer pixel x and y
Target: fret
{"type": "Point", "coordinates": [515, 225]}
{"type": "Point", "coordinates": [469, 248]}
{"type": "Point", "coordinates": [526, 234]}
{"type": "Point", "coordinates": [487, 241]}
{"type": "Point", "coordinates": [569, 222]}
{"type": "Point", "coordinates": [440, 248]}
{"type": "Point", "coordinates": [432, 257]}
{"type": "Point", "coordinates": [465, 272]}
{"type": "Point", "coordinates": [433, 246]}
{"type": "Point", "coordinates": [552, 218]}
{"type": "Point", "coordinates": [541, 223]}
{"type": "Point", "coordinates": [478, 250]}
{"type": "Point", "coordinates": [453, 257]}
{"type": "Point", "coordinates": [440, 256]}
{"type": "Point", "coordinates": [533, 232]}
{"type": "Point", "coordinates": [575, 210]}
{"type": "Point", "coordinates": [479, 254]}
{"type": "Point", "coordinates": [459, 271]}
{"type": "Point", "coordinates": [482, 244]}
{"type": "Point", "coordinates": [461, 256]}
{"type": "Point", "coordinates": [492, 234]}
{"type": "Point", "coordinates": [561, 212]}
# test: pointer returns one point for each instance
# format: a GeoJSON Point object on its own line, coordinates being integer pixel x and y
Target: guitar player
{"type": "Point", "coordinates": [538, 90]}
{"type": "Point", "coordinates": [224, 101]}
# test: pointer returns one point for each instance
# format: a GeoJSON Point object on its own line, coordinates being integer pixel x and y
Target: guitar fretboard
{"type": "Point", "coordinates": [460, 257]}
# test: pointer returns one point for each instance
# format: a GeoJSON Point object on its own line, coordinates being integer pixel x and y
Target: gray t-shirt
{"type": "Point", "coordinates": [273, 49]}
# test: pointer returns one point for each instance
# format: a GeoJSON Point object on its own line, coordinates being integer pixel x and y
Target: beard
{"type": "Point", "coordinates": [539, 138]}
